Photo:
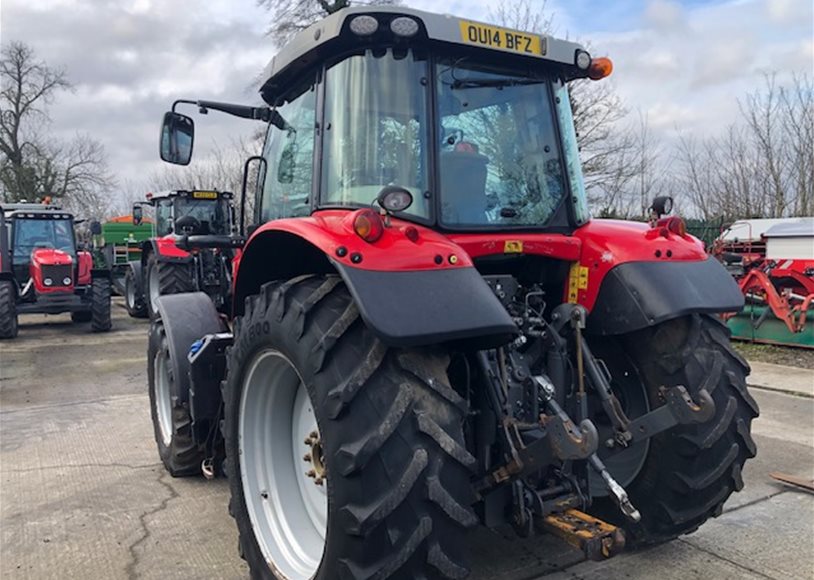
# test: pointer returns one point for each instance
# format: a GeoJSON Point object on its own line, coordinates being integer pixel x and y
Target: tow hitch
{"type": "Point", "coordinates": [598, 540]}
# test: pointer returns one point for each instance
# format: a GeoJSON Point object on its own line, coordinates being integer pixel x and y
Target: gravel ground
{"type": "Point", "coordinates": [780, 355]}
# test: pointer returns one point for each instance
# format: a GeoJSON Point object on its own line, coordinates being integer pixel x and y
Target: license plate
{"type": "Point", "coordinates": [205, 194]}
{"type": "Point", "coordinates": [501, 38]}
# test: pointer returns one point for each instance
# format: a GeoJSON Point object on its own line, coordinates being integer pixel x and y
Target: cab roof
{"type": "Point", "coordinates": [333, 35]}
{"type": "Point", "coordinates": [203, 194]}
{"type": "Point", "coordinates": [34, 211]}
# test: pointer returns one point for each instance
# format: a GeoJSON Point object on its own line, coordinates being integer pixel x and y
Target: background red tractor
{"type": "Point", "coordinates": [428, 330]}
{"type": "Point", "coordinates": [191, 250]}
{"type": "Point", "coordinates": [43, 270]}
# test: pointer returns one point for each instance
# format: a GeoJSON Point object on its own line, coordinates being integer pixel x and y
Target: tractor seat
{"type": "Point", "coordinates": [463, 184]}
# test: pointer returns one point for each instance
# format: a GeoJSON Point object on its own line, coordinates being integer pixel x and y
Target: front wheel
{"type": "Point", "coordinates": [134, 295]}
{"type": "Point", "coordinates": [166, 278]}
{"type": "Point", "coordinates": [100, 305]}
{"type": "Point", "coordinates": [172, 422]}
{"type": "Point", "coordinates": [8, 310]}
{"type": "Point", "coordinates": [684, 475]}
{"type": "Point", "coordinates": [347, 458]}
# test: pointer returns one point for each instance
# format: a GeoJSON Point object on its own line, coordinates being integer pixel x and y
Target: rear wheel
{"type": "Point", "coordinates": [166, 278]}
{"type": "Point", "coordinates": [8, 310]}
{"type": "Point", "coordinates": [172, 423]}
{"type": "Point", "coordinates": [688, 472]}
{"type": "Point", "coordinates": [134, 295]}
{"type": "Point", "coordinates": [346, 457]}
{"type": "Point", "coordinates": [100, 305]}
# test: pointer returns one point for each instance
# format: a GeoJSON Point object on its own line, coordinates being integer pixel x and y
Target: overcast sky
{"type": "Point", "coordinates": [681, 63]}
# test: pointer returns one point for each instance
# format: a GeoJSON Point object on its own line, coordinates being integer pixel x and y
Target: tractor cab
{"type": "Point", "coordinates": [195, 212]}
{"type": "Point", "coordinates": [473, 121]}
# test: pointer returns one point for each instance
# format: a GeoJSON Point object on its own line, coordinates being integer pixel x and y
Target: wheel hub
{"type": "Point", "coordinates": [315, 458]}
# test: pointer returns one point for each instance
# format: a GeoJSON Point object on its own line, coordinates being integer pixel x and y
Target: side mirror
{"type": "Point", "coordinates": [95, 228]}
{"type": "Point", "coordinates": [177, 137]}
{"type": "Point", "coordinates": [138, 215]}
{"type": "Point", "coordinates": [662, 205]}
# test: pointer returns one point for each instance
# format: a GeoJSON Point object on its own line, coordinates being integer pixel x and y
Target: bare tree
{"type": "Point", "coordinates": [291, 16]}
{"type": "Point", "coordinates": [762, 166]}
{"type": "Point", "coordinates": [35, 165]}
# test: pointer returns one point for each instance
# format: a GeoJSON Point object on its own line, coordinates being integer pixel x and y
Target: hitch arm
{"type": "Point", "coordinates": [679, 409]}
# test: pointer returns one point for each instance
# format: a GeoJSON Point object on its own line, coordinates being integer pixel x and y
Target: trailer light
{"type": "Point", "coordinates": [582, 59]}
{"type": "Point", "coordinates": [368, 225]}
{"type": "Point", "coordinates": [48, 282]}
{"type": "Point", "coordinates": [600, 68]}
{"type": "Point", "coordinates": [364, 25]}
{"type": "Point", "coordinates": [404, 27]}
{"type": "Point", "coordinates": [677, 226]}
{"type": "Point", "coordinates": [66, 281]}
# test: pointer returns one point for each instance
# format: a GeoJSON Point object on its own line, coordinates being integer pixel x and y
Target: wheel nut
{"type": "Point", "coordinates": [308, 441]}
{"type": "Point", "coordinates": [311, 473]}
{"type": "Point", "coordinates": [318, 481]}
{"type": "Point", "coordinates": [307, 457]}
{"type": "Point", "coordinates": [314, 435]}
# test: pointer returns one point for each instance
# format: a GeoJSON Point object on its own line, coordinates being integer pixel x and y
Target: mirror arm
{"type": "Point", "coordinates": [243, 111]}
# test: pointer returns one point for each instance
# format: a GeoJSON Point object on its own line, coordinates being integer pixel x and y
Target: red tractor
{"type": "Point", "coordinates": [169, 263]}
{"type": "Point", "coordinates": [42, 270]}
{"type": "Point", "coordinates": [429, 332]}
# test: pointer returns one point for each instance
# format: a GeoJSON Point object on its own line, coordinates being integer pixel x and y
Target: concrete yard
{"type": "Point", "coordinates": [83, 495]}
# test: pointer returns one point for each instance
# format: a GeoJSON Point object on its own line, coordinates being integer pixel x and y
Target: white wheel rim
{"type": "Point", "coordinates": [163, 401]}
{"type": "Point", "coordinates": [287, 509]}
{"type": "Point", "coordinates": [131, 293]}
{"type": "Point", "coordinates": [154, 290]}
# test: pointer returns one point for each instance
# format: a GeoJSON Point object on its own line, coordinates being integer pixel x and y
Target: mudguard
{"type": "Point", "coordinates": [635, 295]}
{"type": "Point", "coordinates": [186, 318]}
{"type": "Point", "coordinates": [429, 306]}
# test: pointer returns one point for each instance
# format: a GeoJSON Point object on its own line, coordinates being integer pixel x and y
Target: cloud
{"type": "Point", "coordinates": [689, 66]}
{"type": "Point", "coordinates": [128, 61]}
{"type": "Point", "coordinates": [663, 14]}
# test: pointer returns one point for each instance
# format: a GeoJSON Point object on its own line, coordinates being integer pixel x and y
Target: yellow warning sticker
{"type": "Point", "coordinates": [577, 280]}
{"type": "Point", "coordinates": [513, 247]}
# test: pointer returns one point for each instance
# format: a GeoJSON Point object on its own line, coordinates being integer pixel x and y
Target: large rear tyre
{"type": "Point", "coordinates": [134, 295]}
{"type": "Point", "coordinates": [166, 278]}
{"type": "Point", "coordinates": [346, 458]}
{"type": "Point", "coordinates": [8, 310]}
{"type": "Point", "coordinates": [100, 305]}
{"type": "Point", "coordinates": [172, 423]}
{"type": "Point", "coordinates": [689, 471]}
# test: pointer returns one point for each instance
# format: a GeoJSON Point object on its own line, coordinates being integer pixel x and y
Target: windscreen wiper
{"type": "Point", "coordinates": [494, 83]}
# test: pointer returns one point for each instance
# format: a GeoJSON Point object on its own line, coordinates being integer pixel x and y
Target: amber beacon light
{"type": "Point", "coordinates": [600, 68]}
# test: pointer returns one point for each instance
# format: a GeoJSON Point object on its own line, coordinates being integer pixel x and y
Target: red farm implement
{"type": "Point", "coordinates": [774, 267]}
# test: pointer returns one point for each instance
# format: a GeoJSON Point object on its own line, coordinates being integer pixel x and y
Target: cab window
{"type": "Point", "coordinates": [289, 154]}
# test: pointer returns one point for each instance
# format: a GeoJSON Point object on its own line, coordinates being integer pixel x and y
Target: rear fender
{"type": "Point", "coordinates": [631, 276]}
{"type": "Point", "coordinates": [409, 293]}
